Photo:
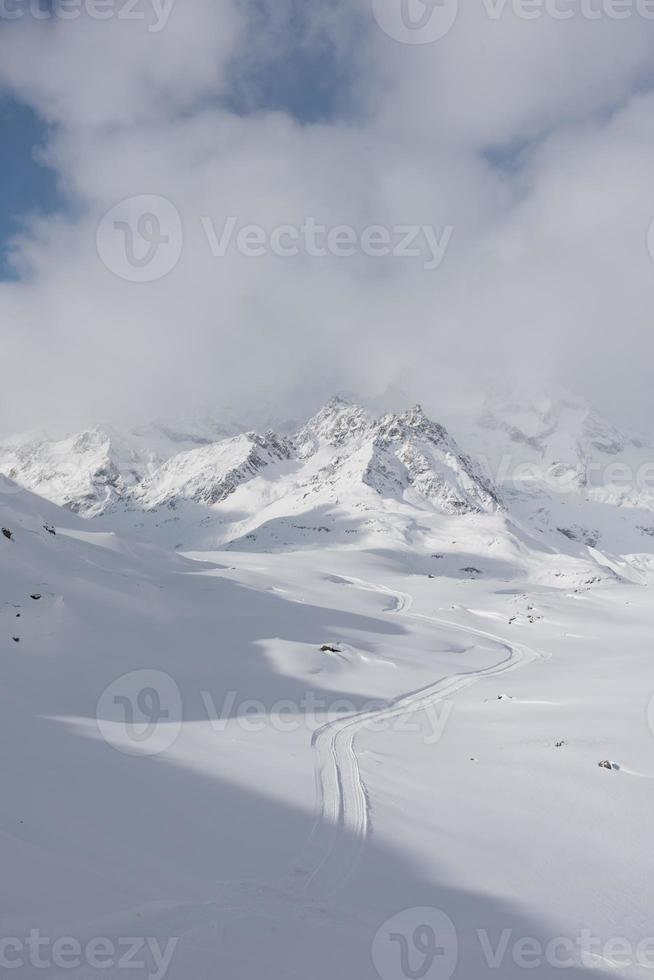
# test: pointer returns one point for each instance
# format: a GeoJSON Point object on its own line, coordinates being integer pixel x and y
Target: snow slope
{"type": "Point", "coordinates": [562, 480]}
{"type": "Point", "coordinates": [93, 470]}
{"type": "Point", "coordinates": [210, 474]}
{"type": "Point", "coordinates": [255, 761]}
{"type": "Point", "coordinates": [568, 473]}
{"type": "Point", "coordinates": [552, 465]}
{"type": "Point", "coordinates": [399, 482]}
{"type": "Point", "coordinates": [290, 703]}
{"type": "Point", "coordinates": [549, 487]}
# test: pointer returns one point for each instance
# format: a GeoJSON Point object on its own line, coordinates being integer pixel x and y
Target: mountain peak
{"type": "Point", "coordinates": [334, 424]}
{"type": "Point", "coordinates": [413, 422]}
{"type": "Point", "coordinates": [555, 424]}
{"type": "Point", "coordinates": [412, 451]}
{"type": "Point", "coordinates": [338, 401]}
{"type": "Point", "coordinates": [416, 416]}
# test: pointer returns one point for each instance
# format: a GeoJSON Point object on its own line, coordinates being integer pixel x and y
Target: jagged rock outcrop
{"type": "Point", "coordinates": [339, 452]}
{"type": "Point", "coordinates": [210, 474]}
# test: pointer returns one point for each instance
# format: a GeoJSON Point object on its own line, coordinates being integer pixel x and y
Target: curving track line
{"type": "Point", "coordinates": [343, 823]}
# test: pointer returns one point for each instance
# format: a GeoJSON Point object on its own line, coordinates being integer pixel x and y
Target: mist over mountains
{"type": "Point", "coordinates": [551, 474]}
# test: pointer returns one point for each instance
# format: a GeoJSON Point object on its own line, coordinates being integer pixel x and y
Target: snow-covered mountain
{"type": "Point", "coordinates": [210, 474]}
{"type": "Point", "coordinates": [93, 470]}
{"type": "Point", "coordinates": [566, 472]}
{"type": "Point", "coordinates": [98, 469]}
{"type": "Point", "coordinates": [394, 456]}
{"type": "Point", "coordinates": [87, 472]}
{"type": "Point", "coordinates": [559, 442]}
{"type": "Point", "coordinates": [256, 754]}
{"type": "Point", "coordinates": [549, 472]}
{"type": "Point", "coordinates": [410, 451]}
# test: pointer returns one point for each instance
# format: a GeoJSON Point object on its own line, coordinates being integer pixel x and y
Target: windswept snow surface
{"type": "Point", "coordinates": [345, 720]}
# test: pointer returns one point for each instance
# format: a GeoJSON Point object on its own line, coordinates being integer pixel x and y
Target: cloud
{"type": "Point", "coordinates": [531, 140]}
{"type": "Point", "coordinates": [151, 59]}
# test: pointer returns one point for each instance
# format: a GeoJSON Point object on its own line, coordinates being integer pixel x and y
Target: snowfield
{"type": "Point", "coordinates": [335, 703]}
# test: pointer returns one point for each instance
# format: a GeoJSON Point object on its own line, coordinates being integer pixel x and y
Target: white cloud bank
{"type": "Point", "coordinates": [532, 140]}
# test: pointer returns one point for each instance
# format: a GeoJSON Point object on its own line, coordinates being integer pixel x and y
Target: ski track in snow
{"type": "Point", "coordinates": [343, 822]}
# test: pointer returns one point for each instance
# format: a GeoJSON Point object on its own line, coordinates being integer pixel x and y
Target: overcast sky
{"type": "Point", "coordinates": [508, 149]}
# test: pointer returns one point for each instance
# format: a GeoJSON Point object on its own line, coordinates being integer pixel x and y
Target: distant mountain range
{"type": "Point", "coordinates": [550, 473]}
